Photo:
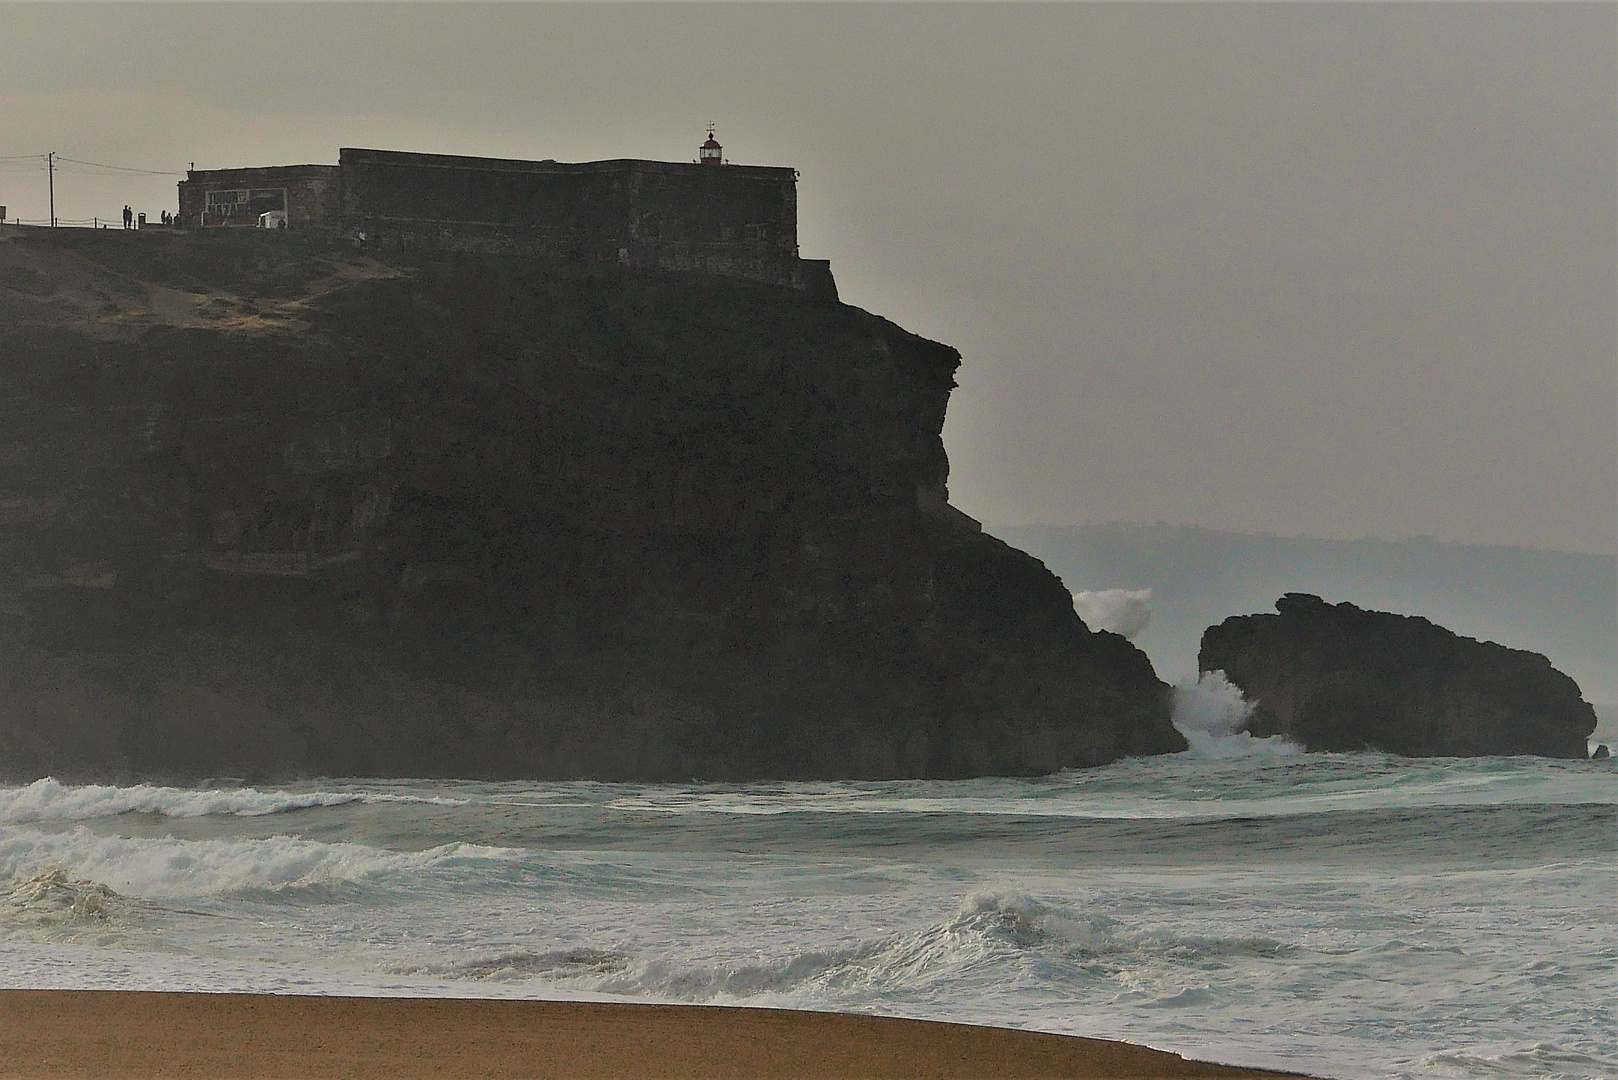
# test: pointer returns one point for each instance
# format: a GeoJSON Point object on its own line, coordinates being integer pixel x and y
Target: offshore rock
{"type": "Point", "coordinates": [1337, 677]}
{"type": "Point", "coordinates": [274, 507]}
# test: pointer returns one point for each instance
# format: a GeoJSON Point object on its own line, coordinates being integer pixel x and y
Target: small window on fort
{"type": "Point", "coordinates": [226, 198]}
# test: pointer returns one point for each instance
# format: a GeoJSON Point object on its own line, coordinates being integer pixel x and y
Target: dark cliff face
{"type": "Point", "coordinates": [278, 509]}
{"type": "Point", "coordinates": [1336, 677]}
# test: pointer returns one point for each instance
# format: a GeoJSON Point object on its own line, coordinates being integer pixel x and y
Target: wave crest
{"type": "Point", "coordinates": [169, 868]}
{"type": "Point", "coordinates": [1542, 1060]}
{"type": "Point", "coordinates": [50, 800]}
{"type": "Point", "coordinates": [52, 898]}
{"type": "Point", "coordinates": [519, 964]}
{"type": "Point", "coordinates": [990, 937]}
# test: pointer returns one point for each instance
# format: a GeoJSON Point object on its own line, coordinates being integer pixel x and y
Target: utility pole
{"type": "Point", "coordinates": [50, 169]}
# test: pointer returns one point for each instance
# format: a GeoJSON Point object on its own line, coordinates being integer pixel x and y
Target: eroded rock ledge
{"type": "Point", "coordinates": [1337, 677]}
{"type": "Point", "coordinates": [272, 509]}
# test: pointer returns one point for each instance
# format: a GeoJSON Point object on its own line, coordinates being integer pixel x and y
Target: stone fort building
{"type": "Point", "coordinates": [708, 216]}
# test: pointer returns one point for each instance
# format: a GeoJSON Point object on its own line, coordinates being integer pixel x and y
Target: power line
{"type": "Point", "coordinates": [51, 161]}
{"type": "Point", "coordinates": [92, 164]}
{"type": "Point", "coordinates": [120, 168]}
{"type": "Point", "coordinates": [105, 174]}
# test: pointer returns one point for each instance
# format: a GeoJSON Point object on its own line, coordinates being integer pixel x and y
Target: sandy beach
{"type": "Point", "coordinates": [127, 1034]}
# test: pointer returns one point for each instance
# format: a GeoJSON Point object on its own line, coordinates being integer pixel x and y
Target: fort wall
{"type": "Point", "coordinates": [734, 220]}
{"type": "Point", "coordinates": [309, 194]}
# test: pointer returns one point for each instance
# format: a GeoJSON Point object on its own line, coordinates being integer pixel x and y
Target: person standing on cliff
{"type": "Point", "coordinates": [129, 217]}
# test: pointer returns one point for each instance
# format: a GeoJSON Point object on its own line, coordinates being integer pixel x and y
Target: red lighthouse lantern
{"type": "Point", "coordinates": [710, 152]}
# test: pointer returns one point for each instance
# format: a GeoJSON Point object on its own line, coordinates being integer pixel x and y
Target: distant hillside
{"type": "Point", "coordinates": [1558, 603]}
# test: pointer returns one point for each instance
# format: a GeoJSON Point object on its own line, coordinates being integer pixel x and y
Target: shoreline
{"type": "Point", "coordinates": [128, 1034]}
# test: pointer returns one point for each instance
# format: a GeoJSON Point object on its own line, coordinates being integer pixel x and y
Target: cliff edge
{"type": "Point", "coordinates": [273, 508]}
{"type": "Point", "coordinates": [1337, 677]}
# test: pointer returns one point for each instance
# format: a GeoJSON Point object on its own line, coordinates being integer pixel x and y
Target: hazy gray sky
{"type": "Point", "coordinates": [1318, 269]}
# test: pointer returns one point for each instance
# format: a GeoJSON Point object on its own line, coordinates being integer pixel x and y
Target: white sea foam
{"type": "Point", "coordinates": [1240, 909]}
{"type": "Point", "coordinates": [1213, 715]}
{"type": "Point", "coordinates": [988, 932]}
{"type": "Point", "coordinates": [49, 800]}
{"type": "Point", "coordinates": [1222, 776]}
{"type": "Point", "coordinates": [1541, 1060]}
{"type": "Point", "coordinates": [168, 868]}
{"type": "Point", "coordinates": [515, 965]}
{"type": "Point", "coordinates": [52, 898]}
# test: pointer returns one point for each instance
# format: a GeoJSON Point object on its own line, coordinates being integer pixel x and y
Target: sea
{"type": "Point", "coordinates": [1341, 915]}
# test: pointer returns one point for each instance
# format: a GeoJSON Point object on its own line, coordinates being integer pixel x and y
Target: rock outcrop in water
{"type": "Point", "coordinates": [273, 509]}
{"type": "Point", "coordinates": [1337, 677]}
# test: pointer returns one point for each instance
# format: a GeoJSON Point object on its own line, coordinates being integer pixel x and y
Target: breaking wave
{"type": "Point", "coordinates": [517, 964]}
{"type": "Point", "coordinates": [988, 935]}
{"type": "Point", "coordinates": [1354, 915]}
{"type": "Point", "coordinates": [173, 869]}
{"type": "Point", "coordinates": [49, 800]}
{"type": "Point", "coordinates": [1213, 716]}
{"type": "Point", "coordinates": [52, 898]}
{"type": "Point", "coordinates": [1543, 1061]}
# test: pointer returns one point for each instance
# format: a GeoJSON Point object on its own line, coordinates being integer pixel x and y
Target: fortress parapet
{"type": "Point", "coordinates": [712, 217]}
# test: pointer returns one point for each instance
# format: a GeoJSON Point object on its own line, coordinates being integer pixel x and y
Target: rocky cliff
{"type": "Point", "coordinates": [271, 508]}
{"type": "Point", "coordinates": [1337, 677]}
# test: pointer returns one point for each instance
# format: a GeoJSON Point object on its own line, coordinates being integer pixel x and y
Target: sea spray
{"type": "Point", "coordinates": [1122, 611]}
{"type": "Point", "coordinates": [1213, 715]}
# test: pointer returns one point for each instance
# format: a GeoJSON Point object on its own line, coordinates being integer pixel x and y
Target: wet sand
{"type": "Point", "coordinates": [126, 1034]}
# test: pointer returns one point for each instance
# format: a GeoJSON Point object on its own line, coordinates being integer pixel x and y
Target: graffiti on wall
{"type": "Point", "coordinates": [242, 206]}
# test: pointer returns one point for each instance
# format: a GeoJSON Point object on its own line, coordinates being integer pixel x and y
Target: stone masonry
{"type": "Point", "coordinates": [732, 220]}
